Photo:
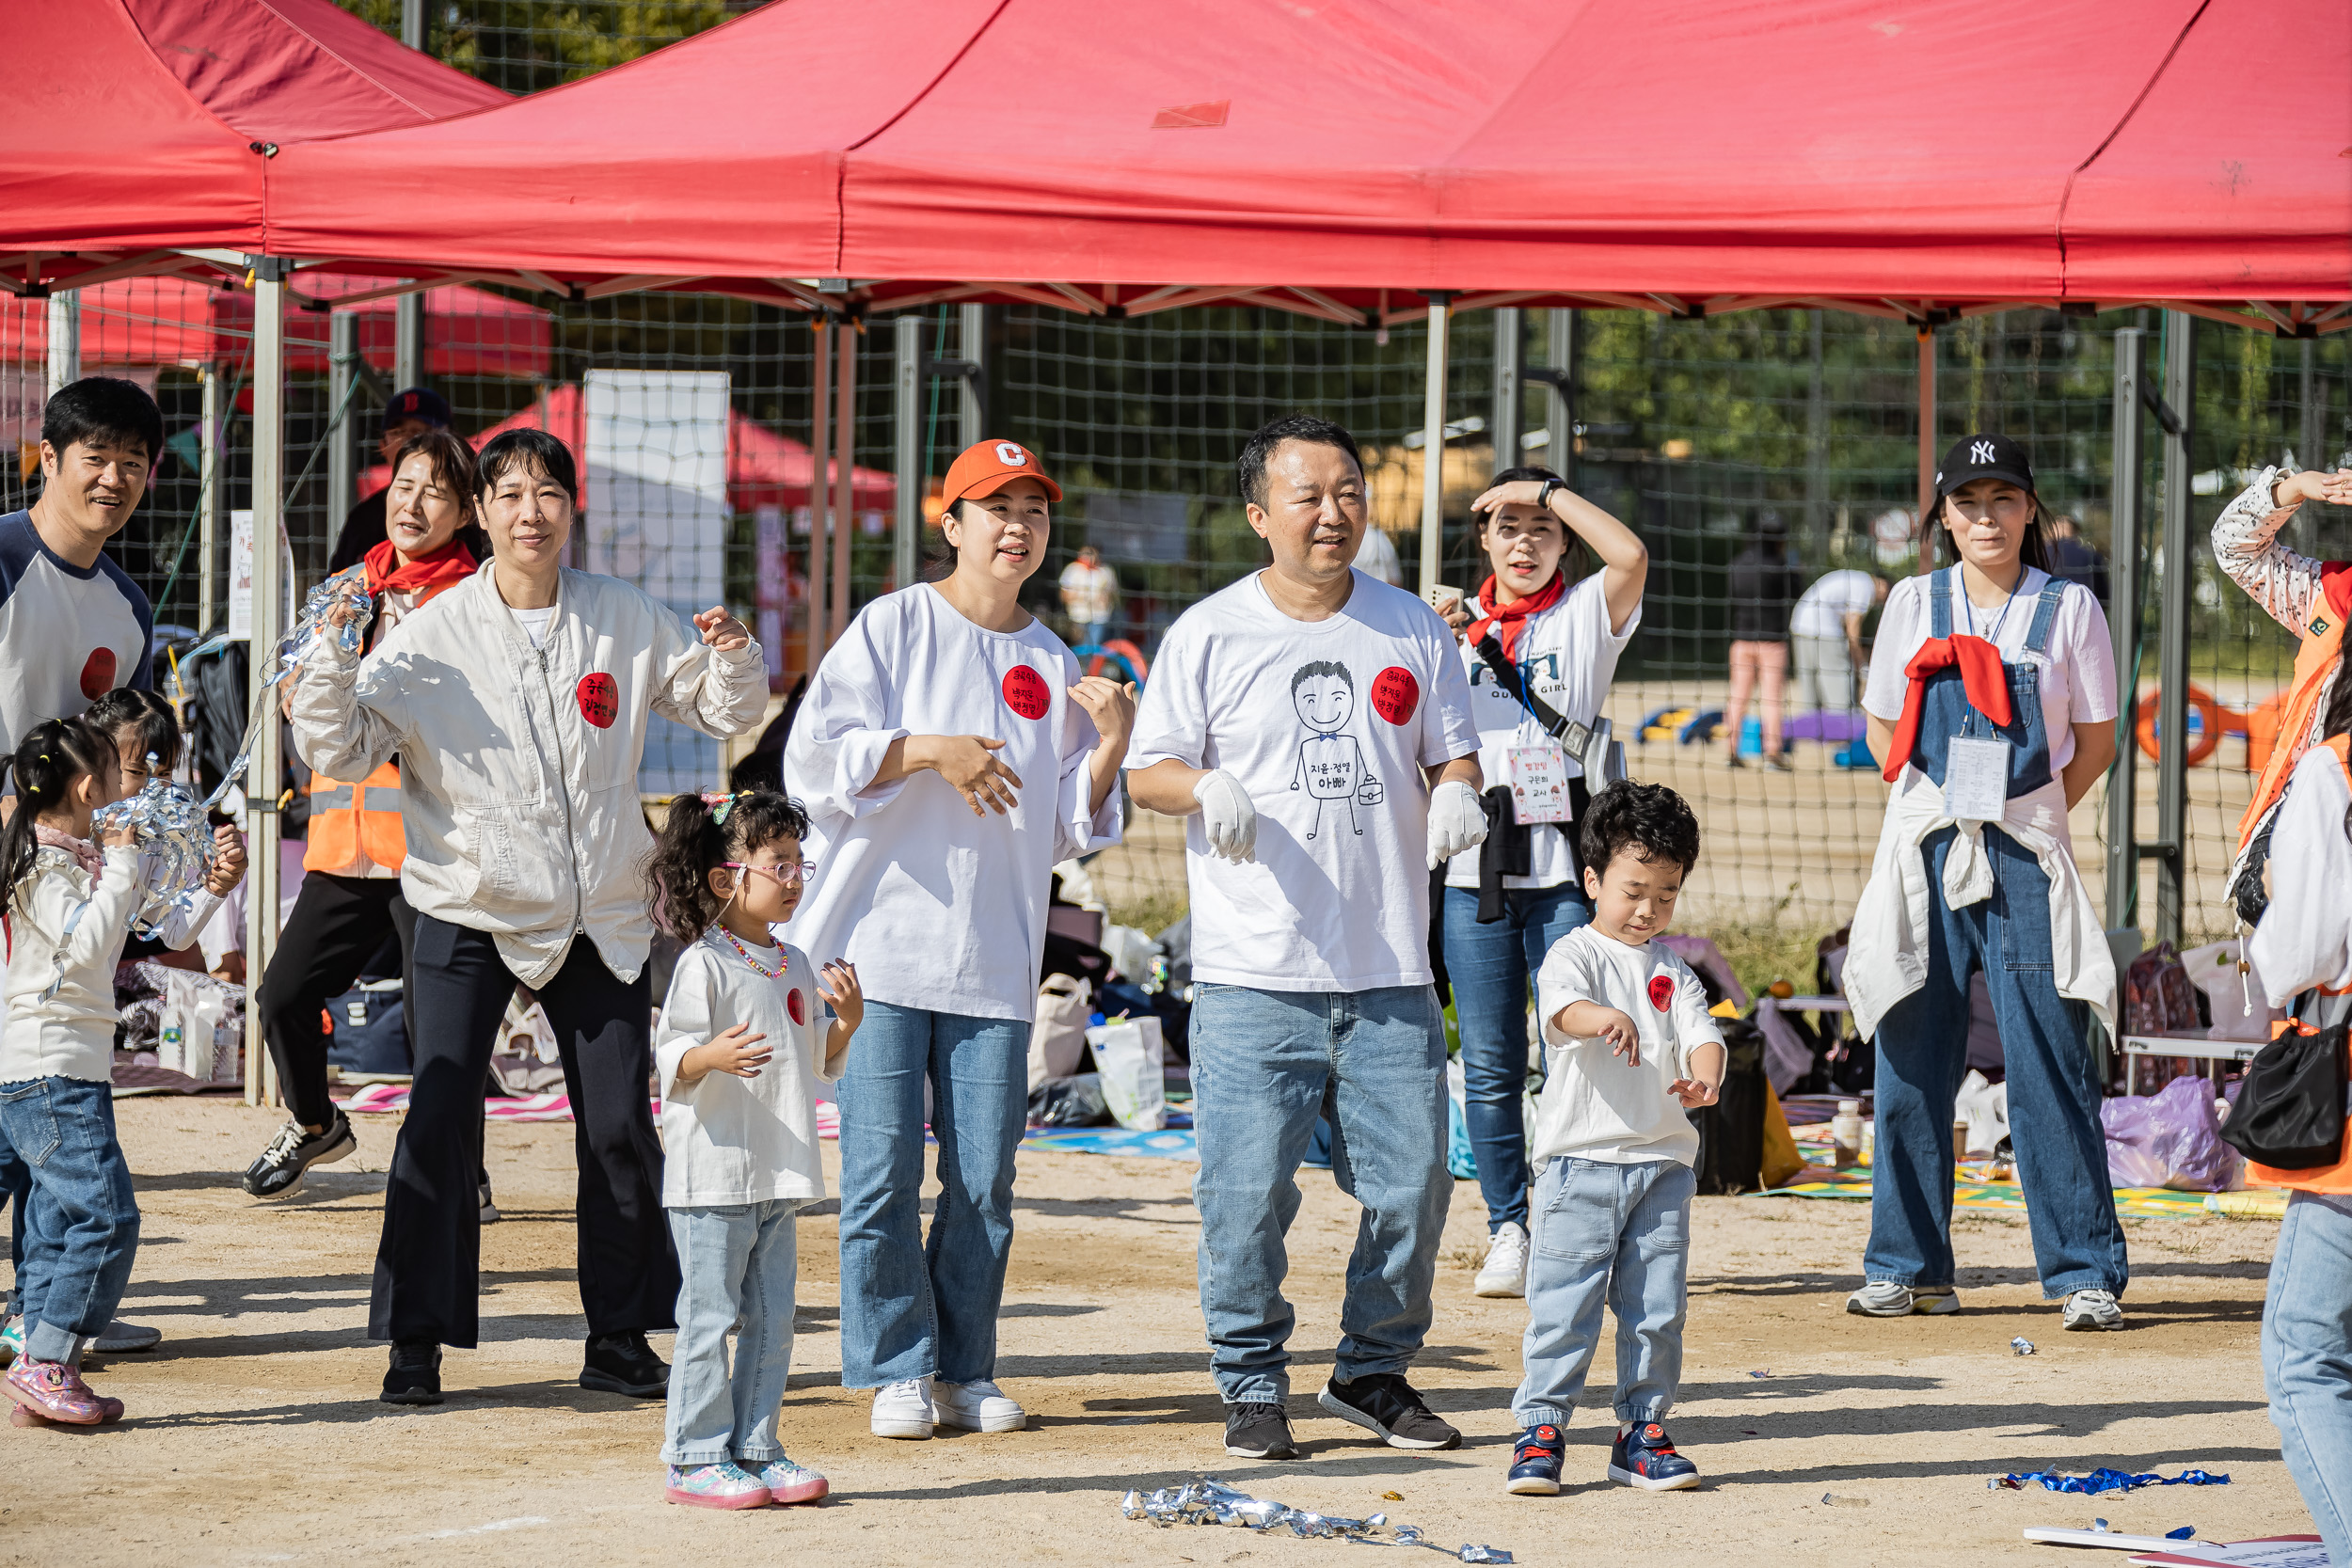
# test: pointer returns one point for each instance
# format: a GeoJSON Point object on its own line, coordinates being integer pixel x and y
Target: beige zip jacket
{"type": "Point", "coordinates": [519, 763]}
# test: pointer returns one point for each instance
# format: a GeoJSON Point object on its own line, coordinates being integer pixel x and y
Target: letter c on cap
{"type": "Point", "coordinates": [1011, 456]}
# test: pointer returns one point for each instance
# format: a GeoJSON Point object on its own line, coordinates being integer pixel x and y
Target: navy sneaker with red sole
{"type": "Point", "coordinates": [1535, 1462]}
{"type": "Point", "coordinates": [1646, 1457]}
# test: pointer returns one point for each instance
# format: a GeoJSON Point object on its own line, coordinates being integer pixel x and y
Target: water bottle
{"type": "Point", "coordinates": [1845, 1131]}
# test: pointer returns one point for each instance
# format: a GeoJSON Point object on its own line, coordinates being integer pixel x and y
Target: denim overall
{"type": "Point", "coordinates": [1923, 1042]}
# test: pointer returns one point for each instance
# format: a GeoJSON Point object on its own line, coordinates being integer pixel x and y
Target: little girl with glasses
{"type": "Point", "coordinates": [741, 1046]}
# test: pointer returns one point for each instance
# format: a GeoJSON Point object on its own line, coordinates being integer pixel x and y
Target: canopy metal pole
{"type": "Point", "coordinates": [65, 339]}
{"type": "Point", "coordinates": [971, 348]}
{"type": "Point", "coordinates": [2179, 384]}
{"type": "Point", "coordinates": [1433, 444]}
{"type": "Point", "coordinates": [819, 479]}
{"type": "Point", "coordinates": [2308, 454]}
{"type": "Point", "coordinates": [262, 784]}
{"type": "Point", "coordinates": [1927, 440]}
{"type": "Point", "coordinates": [209, 499]}
{"type": "Point", "coordinates": [2123, 568]}
{"type": "Point", "coordinates": [844, 473]}
{"type": "Point", "coordinates": [1510, 387]}
{"type": "Point", "coordinates": [1560, 440]}
{"type": "Point", "coordinates": [408, 341]}
{"type": "Point", "coordinates": [906, 539]}
{"type": "Point", "coordinates": [343, 470]}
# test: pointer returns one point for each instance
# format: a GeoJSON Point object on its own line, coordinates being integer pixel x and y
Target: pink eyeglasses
{"type": "Point", "coordinates": [791, 874]}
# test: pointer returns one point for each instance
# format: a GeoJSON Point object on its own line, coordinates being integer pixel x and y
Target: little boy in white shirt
{"type": "Point", "coordinates": [1630, 1049]}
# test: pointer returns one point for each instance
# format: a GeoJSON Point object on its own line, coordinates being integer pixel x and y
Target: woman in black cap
{"type": "Point", "coordinates": [1992, 697]}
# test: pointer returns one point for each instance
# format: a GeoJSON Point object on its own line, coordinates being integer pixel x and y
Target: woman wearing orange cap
{"type": "Point", "coordinates": [949, 754]}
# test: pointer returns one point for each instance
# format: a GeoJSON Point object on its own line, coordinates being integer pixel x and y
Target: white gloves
{"type": "Point", "coordinates": [1457, 820]}
{"type": "Point", "coordinates": [1226, 814]}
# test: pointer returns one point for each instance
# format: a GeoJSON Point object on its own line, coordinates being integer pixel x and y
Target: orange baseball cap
{"type": "Point", "coordinates": [985, 468]}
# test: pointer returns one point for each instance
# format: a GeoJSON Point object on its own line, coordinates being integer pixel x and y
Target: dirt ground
{"type": "Point", "coordinates": [254, 1436]}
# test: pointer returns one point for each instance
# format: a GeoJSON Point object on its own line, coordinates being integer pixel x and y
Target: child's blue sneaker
{"type": "Point", "coordinates": [720, 1485]}
{"type": "Point", "coordinates": [1646, 1457]}
{"type": "Point", "coordinates": [1535, 1462]}
{"type": "Point", "coordinates": [788, 1483]}
{"type": "Point", "coordinates": [11, 1341]}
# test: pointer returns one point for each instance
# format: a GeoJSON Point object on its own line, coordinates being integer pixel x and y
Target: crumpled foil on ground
{"type": "Point", "coordinates": [2102, 1480]}
{"type": "Point", "coordinates": [175, 848]}
{"type": "Point", "coordinates": [1213, 1502]}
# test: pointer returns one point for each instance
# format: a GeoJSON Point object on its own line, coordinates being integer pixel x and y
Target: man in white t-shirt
{"type": "Point", "coordinates": [1089, 596]}
{"type": "Point", "coordinates": [1825, 638]}
{"type": "Point", "coordinates": [1315, 725]}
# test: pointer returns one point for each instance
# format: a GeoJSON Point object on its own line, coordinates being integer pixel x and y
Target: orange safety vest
{"type": "Point", "coordinates": [355, 826]}
{"type": "Point", "coordinates": [2322, 646]}
{"type": "Point", "coordinates": [2335, 1179]}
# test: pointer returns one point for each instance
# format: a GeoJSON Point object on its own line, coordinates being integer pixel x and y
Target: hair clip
{"type": "Point", "coordinates": [720, 805]}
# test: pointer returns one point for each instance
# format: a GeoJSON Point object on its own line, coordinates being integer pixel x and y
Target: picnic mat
{"type": "Point", "coordinates": [1970, 1189]}
{"type": "Point", "coordinates": [384, 1098]}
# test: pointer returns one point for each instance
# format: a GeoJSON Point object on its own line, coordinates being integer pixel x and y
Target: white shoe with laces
{"type": "Point", "coordinates": [1504, 1272]}
{"type": "Point", "coordinates": [1886, 1298]}
{"type": "Point", "coordinates": [905, 1409]}
{"type": "Point", "coordinates": [2093, 1310]}
{"type": "Point", "coordinates": [976, 1407]}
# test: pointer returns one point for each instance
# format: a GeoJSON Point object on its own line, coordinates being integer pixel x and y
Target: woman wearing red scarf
{"type": "Point", "coordinates": [1509, 899]}
{"type": "Point", "coordinates": [350, 903]}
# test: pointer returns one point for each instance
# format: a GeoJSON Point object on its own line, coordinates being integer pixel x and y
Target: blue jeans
{"type": "Point", "coordinates": [1619, 1233]}
{"type": "Point", "coordinates": [735, 1266]}
{"type": "Point", "coordinates": [2307, 1359]}
{"type": "Point", "coordinates": [2053, 1095]}
{"type": "Point", "coordinates": [80, 1220]}
{"type": "Point", "coordinates": [1266, 1065]}
{"type": "Point", "coordinates": [1491, 967]}
{"type": "Point", "coordinates": [912, 1307]}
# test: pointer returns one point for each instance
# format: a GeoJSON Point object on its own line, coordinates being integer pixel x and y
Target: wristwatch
{"type": "Point", "coordinates": [1543, 497]}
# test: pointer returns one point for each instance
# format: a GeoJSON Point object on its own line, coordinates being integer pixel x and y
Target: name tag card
{"type": "Point", "coordinates": [1539, 783]}
{"type": "Point", "coordinates": [1976, 778]}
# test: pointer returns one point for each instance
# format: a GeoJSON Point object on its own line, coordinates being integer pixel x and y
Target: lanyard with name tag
{"type": "Point", "coordinates": [1976, 778]}
{"type": "Point", "coordinates": [1539, 783]}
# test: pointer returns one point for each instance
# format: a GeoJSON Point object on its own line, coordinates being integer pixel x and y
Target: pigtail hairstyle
{"type": "Point", "coordinates": [705, 832]}
{"type": "Point", "coordinates": [57, 755]}
{"type": "Point", "coordinates": [156, 725]}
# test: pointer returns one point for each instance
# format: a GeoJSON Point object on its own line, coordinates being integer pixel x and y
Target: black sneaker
{"type": "Point", "coordinates": [1257, 1429]}
{"type": "Point", "coordinates": [1387, 1404]}
{"type": "Point", "coordinates": [290, 1154]}
{"type": "Point", "coordinates": [623, 1364]}
{"type": "Point", "coordinates": [415, 1377]}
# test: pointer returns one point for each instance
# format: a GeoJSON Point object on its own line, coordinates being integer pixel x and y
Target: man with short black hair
{"type": "Point", "coordinates": [1315, 725]}
{"type": "Point", "coordinates": [410, 413]}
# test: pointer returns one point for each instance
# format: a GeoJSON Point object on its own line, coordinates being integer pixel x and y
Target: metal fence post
{"type": "Point", "coordinates": [821, 478]}
{"type": "Point", "coordinates": [971, 348]}
{"type": "Point", "coordinates": [212, 501]}
{"type": "Point", "coordinates": [2180, 392]}
{"type": "Point", "coordinates": [845, 474]}
{"type": "Point", "coordinates": [906, 414]}
{"type": "Point", "coordinates": [1559, 441]}
{"type": "Point", "coordinates": [65, 339]}
{"type": "Point", "coordinates": [1433, 444]}
{"type": "Point", "coordinates": [343, 469]}
{"type": "Point", "coordinates": [1510, 387]}
{"type": "Point", "coordinates": [2124, 574]}
{"type": "Point", "coordinates": [263, 783]}
{"type": "Point", "coordinates": [1927, 437]}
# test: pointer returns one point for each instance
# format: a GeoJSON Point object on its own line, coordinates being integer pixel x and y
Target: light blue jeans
{"type": "Point", "coordinates": [2307, 1360]}
{"type": "Point", "coordinates": [80, 1217]}
{"type": "Point", "coordinates": [1614, 1233]}
{"type": "Point", "coordinates": [736, 1268]}
{"type": "Point", "coordinates": [1266, 1065]}
{"type": "Point", "coordinates": [912, 1307]}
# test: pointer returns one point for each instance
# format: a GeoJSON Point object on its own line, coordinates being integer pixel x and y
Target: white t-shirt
{"type": "Point", "coordinates": [1094, 592]}
{"type": "Point", "coordinates": [939, 909]}
{"type": "Point", "coordinates": [728, 1140]}
{"type": "Point", "coordinates": [1822, 608]}
{"type": "Point", "coordinates": [1596, 1104]}
{"type": "Point", "coordinates": [1567, 655]}
{"type": "Point", "coordinates": [2077, 672]}
{"type": "Point", "coordinates": [1327, 725]}
{"type": "Point", "coordinates": [534, 623]}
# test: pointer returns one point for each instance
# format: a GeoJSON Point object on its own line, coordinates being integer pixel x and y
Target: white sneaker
{"type": "Point", "coordinates": [976, 1407]}
{"type": "Point", "coordinates": [1884, 1298]}
{"type": "Point", "coordinates": [1504, 1272]}
{"type": "Point", "coordinates": [905, 1409]}
{"type": "Point", "coordinates": [2093, 1310]}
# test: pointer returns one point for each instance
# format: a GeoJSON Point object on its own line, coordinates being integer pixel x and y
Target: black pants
{"type": "Point", "coordinates": [428, 1265]}
{"type": "Point", "coordinates": [337, 925]}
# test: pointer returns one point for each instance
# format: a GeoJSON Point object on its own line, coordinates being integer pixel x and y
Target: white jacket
{"type": "Point", "coordinates": [519, 765]}
{"type": "Point", "coordinates": [69, 1031]}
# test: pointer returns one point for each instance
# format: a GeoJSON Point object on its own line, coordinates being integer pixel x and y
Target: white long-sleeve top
{"type": "Point", "coordinates": [939, 909]}
{"type": "Point", "coordinates": [70, 1033]}
{"type": "Point", "coordinates": [518, 762]}
{"type": "Point", "coordinates": [2305, 938]}
{"type": "Point", "coordinates": [2289, 587]}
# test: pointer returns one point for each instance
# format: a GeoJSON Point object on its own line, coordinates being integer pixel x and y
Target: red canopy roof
{"type": "Point", "coordinates": [132, 122]}
{"type": "Point", "coordinates": [1687, 154]}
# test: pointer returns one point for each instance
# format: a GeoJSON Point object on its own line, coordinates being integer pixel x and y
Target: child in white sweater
{"type": "Point", "coordinates": [741, 1047]}
{"type": "Point", "coordinates": [1631, 1049]}
{"type": "Point", "coordinates": [69, 905]}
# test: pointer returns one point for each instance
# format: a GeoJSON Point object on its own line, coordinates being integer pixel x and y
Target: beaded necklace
{"type": "Point", "coordinates": [744, 952]}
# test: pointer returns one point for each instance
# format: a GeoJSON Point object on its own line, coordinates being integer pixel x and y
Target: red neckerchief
{"type": "Point", "coordinates": [1511, 618]}
{"type": "Point", "coordinates": [437, 569]}
{"type": "Point", "coordinates": [1981, 676]}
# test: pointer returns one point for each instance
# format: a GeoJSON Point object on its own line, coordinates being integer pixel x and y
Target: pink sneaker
{"type": "Point", "coordinates": [110, 1411]}
{"type": "Point", "coordinates": [55, 1390]}
{"type": "Point", "coordinates": [720, 1485]}
{"type": "Point", "coordinates": [788, 1482]}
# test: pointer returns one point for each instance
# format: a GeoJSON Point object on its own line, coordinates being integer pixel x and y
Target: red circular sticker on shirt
{"type": "Point", "coordinates": [1395, 694]}
{"type": "Point", "coordinates": [98, 674]}
{"type": "Point", "coordinates": [1661, 992]}
{"type": "Point", "coordinates": [600, 699]}
{"type": "Point", "coordinates": [1025, 693]}
{"type": "Point", "coordinates": [793, 1004]}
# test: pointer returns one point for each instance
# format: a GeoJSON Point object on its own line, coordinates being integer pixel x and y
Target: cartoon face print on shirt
{"type": "Point", "coordinates": [1331, 764]}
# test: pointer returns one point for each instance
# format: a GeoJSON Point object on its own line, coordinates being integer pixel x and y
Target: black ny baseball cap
{"type": "Point", "coordinates": [1974, 457]}
{"type": "Point", "coordinates": [418, 403]}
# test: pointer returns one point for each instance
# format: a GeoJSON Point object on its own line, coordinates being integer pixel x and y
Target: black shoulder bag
{"type": "Point", "coordinates": [1509, 851]}
{"type": "Point", "coordinates": [2289, 1113]}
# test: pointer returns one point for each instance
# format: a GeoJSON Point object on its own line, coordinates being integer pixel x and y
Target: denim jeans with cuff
{"type": "Point", "coordinates": [2307, 1359]}
{"type": "Point", "coordinates": [80, 1217]}
{"type": "Point", "coordinates": [1618, 1234]}
{"type": "Point", "coordinates": [736, 1265]}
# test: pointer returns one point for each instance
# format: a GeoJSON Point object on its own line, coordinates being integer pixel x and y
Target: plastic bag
{"type": "Point", "coordinates": [1133, 1062]}
{"type": "Point", "coordinates": [1059, 1038]}
{"type": "Point", "coordinates": [2234, 997]}
{"type": "Point", "coordinates": [2168, 1139]}
{"type": "Point", "coordinates": [1075, 1102]}
{"type": "Point", "coordinates": [194, 1034]}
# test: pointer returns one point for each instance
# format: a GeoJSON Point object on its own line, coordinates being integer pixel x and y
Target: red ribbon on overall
{"type": "Point", "coordinates": [1980, 675]}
